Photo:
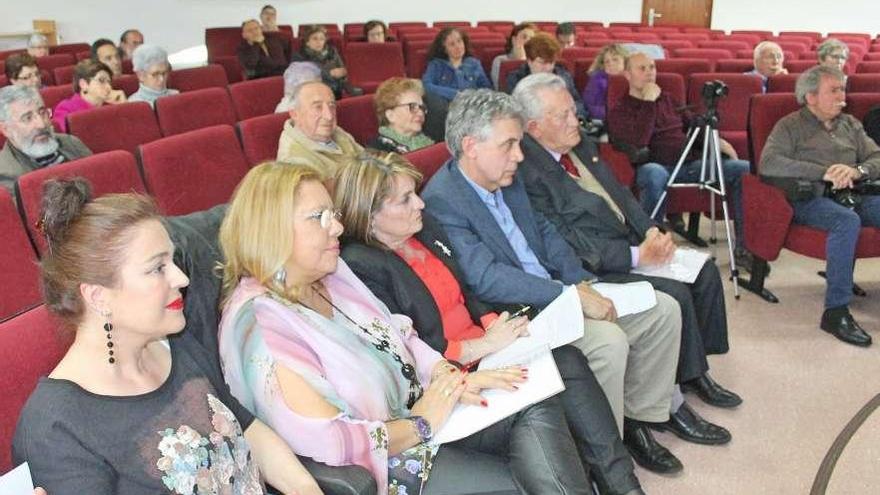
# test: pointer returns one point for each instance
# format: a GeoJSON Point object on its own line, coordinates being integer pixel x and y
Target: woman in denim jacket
{"type": "Point", "coordinates": [451, 67]}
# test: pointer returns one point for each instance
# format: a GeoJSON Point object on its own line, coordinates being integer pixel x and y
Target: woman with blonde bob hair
{"type": "Point", "coordinates": [404, 257]}
{"type": "Point", "coordinates": [608, 62]}
{"type": "Point", "coordinates": [310, 350]}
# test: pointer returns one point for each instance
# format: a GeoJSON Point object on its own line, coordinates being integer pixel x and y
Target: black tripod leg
{"type": "Point", "coordinates": [857, 289]}
{"type": "Point", "coordinates": [755, 283]}
{"type": "Point", "coordinates": [693, 232]}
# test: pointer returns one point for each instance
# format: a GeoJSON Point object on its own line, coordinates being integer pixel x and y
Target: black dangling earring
{"type": "Point", "coordinates": [108, 328]}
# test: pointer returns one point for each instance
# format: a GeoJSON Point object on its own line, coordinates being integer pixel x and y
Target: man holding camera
{"type": "Point", "coordinates": [819, 145]}
{"type": "Point", "coordinates": [650, 125]}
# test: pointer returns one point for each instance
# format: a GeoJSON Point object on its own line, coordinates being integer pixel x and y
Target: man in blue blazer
{"type": "Point", "coordinates": [511, 254]}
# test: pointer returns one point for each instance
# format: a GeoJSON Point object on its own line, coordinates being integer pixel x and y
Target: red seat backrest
{"type": "Point", "coordinates": [210, 76]}
{"type": "Point", "coordinates": [732, 45]}
{"type": "Point", "coordinates": [222, 41]}
{"type": "Point", "coordinates": [813, 35]}
{"type": "Point", "coordinates": [798, 66]}
{"type": "Point", "coordinates": [259, 136]}
{"type": "Point", "coordinates": [20, 277]}
{"type": "Point", "coordinates": [115, 127]}
{"type": "Point", "coordinates": [63, 75]}
{"type": "Point", "coordinates": [194, 110]}
{"type": "Point", "coordinates": [128, 83]}
{"type": "Point", "coordinates": [193, 171]}
{"type": "Point", "coordinates": [751, 39]}
{"type": "Point", "coordinates": [670, 45]}
{"type": "Point", "coordinates": [31, 345]}
{"type": "Point", "coordinates": [685, 66]}
{"type": "Point", "coordinates": [369, 64]}
{"type": "Point", "coordinates": [50, 62]}
{"type": "Point", "coordinates": [109, 172]}
{"type": "Point", "coordinates": [713, 54]}
{"type": "Point", "coordinates": [733, 110]}
{"type": "Point", "coordinates": [863, 83]}
{"type": "Point", "coordinates": [868, 68]}
{"type": "Point", "coordinates": [256, 97]}
{"type": "Point", "coordinates": [782, 83]}
{"type": "Point", "coordinates": [443, 24]}
{"type": "Point", "coordinates": [507, 67]}
{"type": "Point", "coordinates": [858, 104]}
{"type": "Point", "coordinates": [357, 116]}
{"type": "Point", "coordinates": [734, 65]}
{"type": "Point", "coordinates": [71, 48]}
{"type": "Point", "coordinates": [764, 112]}
{"type": "Point", "coordinates": [692, 37]}
{"type": "Point", "coordinates": [52, 95]}
{"type": "Point", "coordinates": [579, 52]}
{"type": "Point", "coordinates": [428, 160]}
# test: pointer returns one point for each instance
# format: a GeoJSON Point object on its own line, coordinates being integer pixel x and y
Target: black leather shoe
{"type": "Point", "coordinates": [691, 427]}
{"type": "Point", "coordinates": [840, 323]}
{"type": "Point", "coordinates": [646, 451]}
{"type": "Point", "coordinates": [711, 392]}
{"type": "Point", "coordinates": [745, 259]}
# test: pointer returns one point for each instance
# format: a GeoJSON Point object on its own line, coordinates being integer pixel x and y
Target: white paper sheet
{"type": "Point", "coordinates": [17, 482]}
{"type": "Point", "coordinates": [630, 298]}
{"type": "Point", "coordinates": [684, 267]}
{"type": "Point", "coordinates": [544, 381]}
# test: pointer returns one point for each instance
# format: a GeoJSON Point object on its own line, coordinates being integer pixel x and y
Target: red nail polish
{"type": "Point", "coordinates": [484, 403]}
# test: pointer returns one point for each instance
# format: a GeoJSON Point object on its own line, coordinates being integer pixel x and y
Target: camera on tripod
{"type": "Point", "coordinates": [712, 92]}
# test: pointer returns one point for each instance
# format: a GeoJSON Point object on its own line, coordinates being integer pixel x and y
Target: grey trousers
{"type": "Point", "coordinates": [635, 359]}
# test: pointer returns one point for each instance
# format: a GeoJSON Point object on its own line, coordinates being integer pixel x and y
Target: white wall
{"type": "Point", "coordinates": [179, 24]}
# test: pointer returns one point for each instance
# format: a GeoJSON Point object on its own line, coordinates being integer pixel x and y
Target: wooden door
{"type": "Point", "coordinates": [697, 13]}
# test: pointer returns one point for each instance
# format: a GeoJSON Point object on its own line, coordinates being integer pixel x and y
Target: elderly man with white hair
{"type": "Point", "coordinates": [31, 142]}
{"type": "Point", "coordinates": [150, 63]}
{"type": "Point", "coordinates": [768, 58]}
{"type": "Point", "coordinates": [38, 45]}
{"type": "Point", "coordinates": [296, 74]}
{"type": "Point", "coordinates": [818, 148]}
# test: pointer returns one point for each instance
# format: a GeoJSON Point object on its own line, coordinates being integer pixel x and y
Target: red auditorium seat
{"type": "Point", "coordinates": [31, 345]}
{"type": "Point", "coordinates": [259, 136]}
{"type": "Point", "coordinates": [51, 62]}
{"type": "Point", "coordinates": [80, 56]}
{"type": "Point", "coordinates": [115, 127]}
{"type": "Point", "coordinates": [395, 26]}
{"type": "Point", "coordinates": [416, 57]}
{"type": "Point", "coordinates": [234, 72]}
{"type": "Point", "coordinates": [193, 171]}
{"type": "Point", "coordinates": [751, 39]}
{"type": "Point", "coordinates": [486, 51]}
{"type": "Point", "coordinates": [692, 37]}
{"type": "Point", "coordinates": [868, 68]}
{"type": "Point", "coordinates": [670, 45]}
{"type": "Point", "coordinates": [685, 66]}
{"type": "Point", "coordinates": [128, 83]}
{"type": "Point", "coordinates": [357, 116]}
{"type": "Point", "coordinates": [640, 37]}
{"type": "Point", "coordinates": [222, 41]}
{"type": "Point", "coordinates": [711, 32]}
{"type": "Point", "coordinates": [760, 33]}
{"type": "Point", "coordinates": [256, 97]}
{"type": "Point", "coordinates": [352, 30]}
{"type": "Point", "coordinates": [210, 76]}
{"type": "Point", "coordinates": [863, 83]}
{"type": "Point", "coordinates": [52, 95]}
{"type": "Point", "coordinates": [71, 48]}
{"type": "Point", "coordinates": [429, 159]}
{"type": "Point", "coordinates": [768, 215]}
{"type": "Point", "coordinates": [194, 110]}
{"type": "Point", "coordinates": [798, 66]}
{"type": "Point", "coordinates": [872, 57]}
{"type": "Point", "coordinates": [20, 277]}
{"type": "Point", "coordinates": [656, 29]}
{"type": "Point", "coordinates": [711, 54]}
{"type": "Point", "coordinates": [794, 47]}
{"type": "Point", "coordinates": [733, 109]}
{"type": "Point", "coordinates": [816, 37]}
{"type": "Point", "coordinates": [6, 53]}
{"type": "Point", "coordinates": [731, 45]}
{"type": "Point", "coordinates": [581, 73]}
{"type": "Point", "coordinates": [507, 67]}
{"type": "Point", "coordinates": [858, 104]}
{"type": "Point", "coordinates": [491, 24]}
{"type": "Point", "coordinates": [619, 164]}
{"type": "Point", "coordinates": [863, 37]}
{"type": "Point", "coordinates": [580, 52]}
{"type": "Point", "coordinates": [734, 65]}
{"type": "Point", "coordinates": [63, 75]}
{"type": "Point", "coordinates": [109, 172]}
{"type": "Point", "coordinates": [369, 64]}
{"type": "Point", "coordinates": [782, 83]}
{"type": "Point", "coordinates": [443, 24]}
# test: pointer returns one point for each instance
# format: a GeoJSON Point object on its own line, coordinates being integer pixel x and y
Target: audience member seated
{"type": "Point", "coordinates": [451, 68]}
{"type": "Point", "coordinates": [262, 54]}
{"type": "Point", "coordinates": [130, 40]}
{"type": "Point", "coordinates": [91, 85]}
{"type": "Point", "coordinates": [136, 405]}
{"type": "Point", "coordinates": [401, 113]}
{"type": "Point", "coordinates": [509, 254]}
{"type": "Point", "coordinates": [22, 70]}
{"type": "Point", "coordinates": [821, 149]}
{"type": "Point", "coordinates": [572, 188]}
{"type": "Point", "coordinates": [398, 252]}
{"type": "Point", "coordinates": [515, 42]}
{"type": "Point", "coordinates": [37, 45]}
{"type": "Point", "coordinates": [609, 62]}
{"type": "Point", "coordinates": [311, 134]}
{"type": "Point", "coordinates": [104, 51]}
{"type": "Point", "coordinates": [375, 31]}
{"type": "Point", "coordinates": [31, 142]}
{"type": "Point", "coordinates": [566, 35]}
{"type": "Point", "coordinates": [297, 73]}
{"type": "Point", "coordinates": [768, 58]}
{"type": "Point", "coordinates": [649, 125]}
{"type": "Point", "coordinates": [833, 53]}
{"type": "Point", "coordinates": [542, 52]}
{"type": "Point", "coordinates": [151, 65]}
{"type": "Point", "coordinates": [269, 19]}
{"type": "Point", "coordinates": [309, 349]}
{"type": "Point", "coordinates": [316, 49]}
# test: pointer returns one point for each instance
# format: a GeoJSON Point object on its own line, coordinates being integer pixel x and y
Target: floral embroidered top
{"type": "Point", "coordinates": [354, 366]}
{"type": "Point", "coordinates": [185, 437]}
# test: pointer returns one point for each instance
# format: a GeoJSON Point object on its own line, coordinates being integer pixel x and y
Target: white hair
{"type": "Point", "coordinates": [146, 56]}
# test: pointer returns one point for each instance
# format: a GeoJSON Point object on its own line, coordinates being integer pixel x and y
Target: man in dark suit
{"type": "Point", "coordinates": [509, 253]}
{"type": "Point", "coordinates": [611, 234]}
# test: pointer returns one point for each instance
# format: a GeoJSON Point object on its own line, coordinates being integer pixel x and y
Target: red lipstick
{"type": "Point", "coordinates": [176, 305]}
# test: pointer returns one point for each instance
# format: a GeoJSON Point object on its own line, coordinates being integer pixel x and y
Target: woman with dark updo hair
{"type": "Point", "coordinates": [135, 406]}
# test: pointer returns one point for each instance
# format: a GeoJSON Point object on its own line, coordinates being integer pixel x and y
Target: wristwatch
{"type": "Point", "coordinates": [862, 170]}
{"type": "Point", "coordinates": [423, 428]}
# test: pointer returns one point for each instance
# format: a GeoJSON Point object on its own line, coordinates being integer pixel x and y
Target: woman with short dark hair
{"type": "Point", "coordinates": [91, 89]}
{"type": "Point", "coordinates": [401, 111]}
{"type": "Point", "coordinates": [22, 70]}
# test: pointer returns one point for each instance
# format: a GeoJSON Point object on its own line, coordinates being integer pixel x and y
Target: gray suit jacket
{"type": "Point", "coordinates": [14, 163]}
{"type": "Point", "coordinates": [586, 221]}
{"type": "Point", "coordinates": [491, 268]}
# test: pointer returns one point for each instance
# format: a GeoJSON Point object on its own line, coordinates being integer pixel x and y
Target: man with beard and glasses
{"type": "Point", "coordinates": [31, 142]}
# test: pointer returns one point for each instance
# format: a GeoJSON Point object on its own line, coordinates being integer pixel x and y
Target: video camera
{"type": "Point", "coordinates": [712, 92]}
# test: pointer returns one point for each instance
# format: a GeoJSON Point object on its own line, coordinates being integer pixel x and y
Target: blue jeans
{"type": "Point", "coordinates": [842, 225]}
{"type": "Point", "coordinates": [651, 179]}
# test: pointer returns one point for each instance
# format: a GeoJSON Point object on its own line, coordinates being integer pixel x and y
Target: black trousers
{"type": "Point", "coordinates": [703, 316]}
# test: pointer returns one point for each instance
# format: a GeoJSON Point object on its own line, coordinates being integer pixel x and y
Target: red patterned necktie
{"type": "Point", "coordinates": [568, 165]}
